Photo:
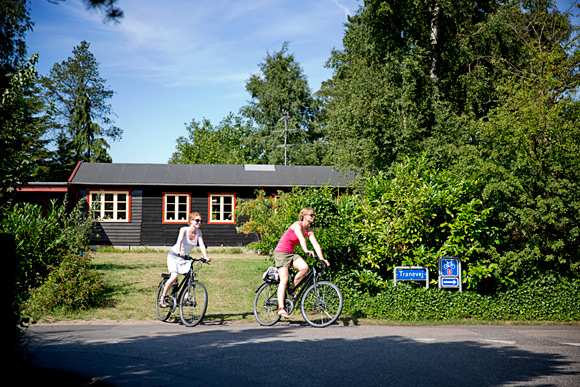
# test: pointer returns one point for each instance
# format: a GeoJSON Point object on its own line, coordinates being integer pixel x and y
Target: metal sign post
{"type": "Point", "coordinates": [450, 273]}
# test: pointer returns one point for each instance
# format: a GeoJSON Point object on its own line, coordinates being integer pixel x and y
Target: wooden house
{"type": "Point", "coordinates": [146, 204]}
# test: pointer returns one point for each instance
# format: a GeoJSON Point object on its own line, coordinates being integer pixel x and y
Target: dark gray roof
{"type": "Point", "coordinates": [208, 175]}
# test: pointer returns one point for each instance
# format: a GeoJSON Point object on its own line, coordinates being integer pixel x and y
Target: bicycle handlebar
{"type": "Point", "coordinates": [202, 259]}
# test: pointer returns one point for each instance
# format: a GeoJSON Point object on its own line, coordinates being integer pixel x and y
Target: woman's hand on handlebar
{"type": "Point", "coordinates": [321, 260]}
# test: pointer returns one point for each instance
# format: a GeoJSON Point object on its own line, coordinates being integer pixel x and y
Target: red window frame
{"type": "Point", "coordinates": [209, 208]}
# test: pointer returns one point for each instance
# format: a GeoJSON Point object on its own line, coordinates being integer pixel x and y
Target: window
{"type": "Point", "coordinates": [110, 206]}
{"type": "Point", "coordinates": [221, 208]}
{"type": "Point", "coordinates": [176, 207]}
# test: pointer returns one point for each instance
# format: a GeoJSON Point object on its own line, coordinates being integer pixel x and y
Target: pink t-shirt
{"type": "Point", "coordinates": [289, 240]}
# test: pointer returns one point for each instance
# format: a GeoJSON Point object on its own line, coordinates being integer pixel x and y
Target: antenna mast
{"type": "Point", "coordinates": [285, 118]}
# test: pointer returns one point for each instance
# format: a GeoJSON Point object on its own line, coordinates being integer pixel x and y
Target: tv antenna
{"type": "Point", "coordinates": [285, 118]}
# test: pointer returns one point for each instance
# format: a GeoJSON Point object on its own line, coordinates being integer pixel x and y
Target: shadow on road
{"type": "Point", "coordinates": [288, 355]}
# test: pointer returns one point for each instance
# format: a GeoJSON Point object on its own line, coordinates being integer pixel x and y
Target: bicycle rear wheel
{"type": "Point", "coordinates": [193, 304]}
{"type": "Point", "coordinates": [266, 304]}
{"type": "Point", "coordinates": [164, 313]}
{"type": "Point", "coordinates": [321, 304]}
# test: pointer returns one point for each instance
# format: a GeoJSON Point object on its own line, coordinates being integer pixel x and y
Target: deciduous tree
{"type": "Point", "coordinates": [281, 90]}
{"type": "Point", "coordinates": [225, 143]}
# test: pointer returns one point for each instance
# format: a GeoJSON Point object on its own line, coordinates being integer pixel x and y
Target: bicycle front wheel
{"type": "Point", "coordinates": [321, 304]}
{"type": "Point", "coordinates": [193, 304]}
{"type": "Point", "coordinates": [266, 304]}
{"type": "Point", "coordinates": [163, 313]}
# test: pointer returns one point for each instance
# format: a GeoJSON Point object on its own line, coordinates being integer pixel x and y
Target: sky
{"type": "Point", "coordinates": [173, 61]}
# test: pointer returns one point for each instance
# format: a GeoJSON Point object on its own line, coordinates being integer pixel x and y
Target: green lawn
{"type": "Point", "coordinates": [131, 280]}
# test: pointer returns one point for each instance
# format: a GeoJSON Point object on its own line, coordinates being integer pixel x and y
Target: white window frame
{"type": "Point", "coordinates": [105, 207]}
{"type": "Point", "coordinates": [176, 212]}
{"type": "Point", "coordinates": [220, 216]}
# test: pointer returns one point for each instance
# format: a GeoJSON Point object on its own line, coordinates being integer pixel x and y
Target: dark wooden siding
{"type": "Point", "coordinates": [147, 228]}
{"type": "Point", "coordinates": [155, 233]}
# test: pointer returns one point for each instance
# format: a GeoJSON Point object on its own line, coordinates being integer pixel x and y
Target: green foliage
{"type": "Point", "coordinates": [87, 142]}
{"type": "Point", "coordinates": [14, 23]}
{"type": "Point", "coordinates": [268, 218]}
{"type": "Point", "coordinates": [490, 93]}
{"type": "Point", "coordinates": [226, 143]}
{"type": "Point", "coordinates": [413, 216]}
{"type": "Point", "coordinates": [44, 237]}
{"type": "Point", "coordinates": [19, 131]}
{"type": "Point", "coordinates": [73, 285]}
{"type": "Point", "coordinates": [528, 147]}
{"type": "Point", "coordinates": [417, 214]}
{"type": "Point", "coordinates": [400, 81]}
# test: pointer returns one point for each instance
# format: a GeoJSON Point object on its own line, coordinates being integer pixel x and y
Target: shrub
{"type": "Point", "coordinates": [44, 237]}
{"type": "Point", "coordinates": [546, 299]}
{"type": "Point", "coordinates": [70, 286]}
{"type": "Point", "coordinates": [269, 219]}
{"type": "Point", "coordinates": [417, 214]}
{"type": "Point", "coordinates": [409, 216]}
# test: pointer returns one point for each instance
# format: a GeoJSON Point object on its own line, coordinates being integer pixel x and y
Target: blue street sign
{"type": "Point", "coordinates": [449, 282]}
{"type": "Point", "coordinates": [411, 274]}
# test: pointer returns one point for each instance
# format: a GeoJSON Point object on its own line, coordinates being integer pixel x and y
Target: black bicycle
{"type": "Point", "coordinates": [320, 301]}
{"type": "Point", "coordinates": [190, 295]}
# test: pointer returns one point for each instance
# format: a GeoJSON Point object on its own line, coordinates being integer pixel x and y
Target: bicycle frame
{"type": "Point", "coordinates": [311, 277]}
{"type": "Point", "coordinates": [180, 286]}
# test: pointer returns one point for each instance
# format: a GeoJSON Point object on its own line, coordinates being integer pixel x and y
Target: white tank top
{"type": "Point", "coordinates": [187, 244]}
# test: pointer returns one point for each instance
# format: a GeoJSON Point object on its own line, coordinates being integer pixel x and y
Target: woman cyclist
{"type": "Point", "coordinates": [188, 238]}
{"type": "Point", "coordinates": [284, 255]}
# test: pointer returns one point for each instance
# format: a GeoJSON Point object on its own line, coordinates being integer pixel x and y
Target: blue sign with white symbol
{"type": "Point", "coordinates": [449, 282]}
{"type": "Point", "coordinates": [449, 267]}
{"type": "Point", "coordinates": [450, 272]}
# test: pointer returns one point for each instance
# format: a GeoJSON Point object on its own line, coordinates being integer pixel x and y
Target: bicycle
{"type": "Point", "coordinates": [191, 294]}
{"type": "Point", "coordinates": [320, 301]}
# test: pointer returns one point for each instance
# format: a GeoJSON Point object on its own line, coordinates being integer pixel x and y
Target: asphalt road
{"type": "Point", "coordinates": [294, 354]}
